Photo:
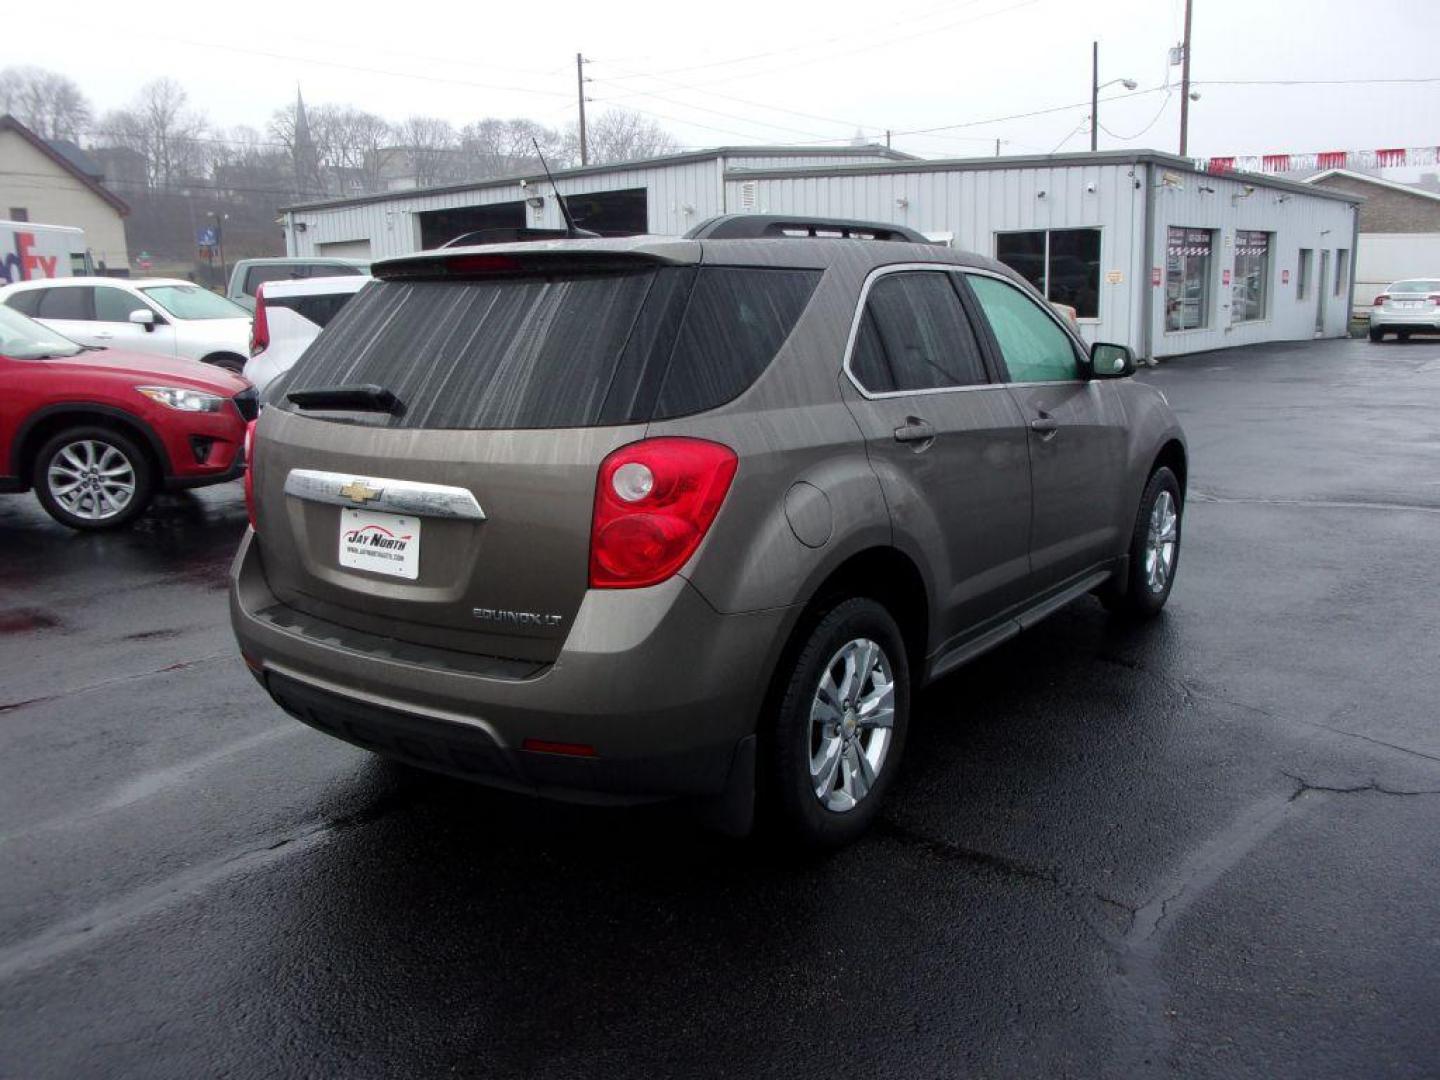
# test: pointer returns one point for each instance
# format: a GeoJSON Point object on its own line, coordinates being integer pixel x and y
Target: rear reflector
{"type": "Point", "coordinates": [545, 746]}
{"type": "Point", "coordinates": [249, 452]}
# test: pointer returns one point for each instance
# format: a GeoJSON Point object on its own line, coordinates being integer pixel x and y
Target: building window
{"type": "Point", "coordinates": [1302, 276]}
{"type": "Point", "coordinates": [1187, 278]}
{"type": "Point", "coordinates": [19, 213]}
{"type": "Point", "coordinates": [1063, 264]}
{"type": "Point", "coordinates": [1250, 291]}
{"type": "Point", "coordinates": [1342, 271]}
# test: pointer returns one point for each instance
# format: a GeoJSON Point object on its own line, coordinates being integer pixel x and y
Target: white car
{"type": "Point", "coordinates": [161, 316]}
{"type": "Point", "coordinates": [1407, 307]}
{"type": "Point", "coordinates": [289, 315]}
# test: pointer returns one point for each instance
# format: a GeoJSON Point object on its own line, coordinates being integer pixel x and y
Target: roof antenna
{"type": "Point", "coordinates": [570, 230]}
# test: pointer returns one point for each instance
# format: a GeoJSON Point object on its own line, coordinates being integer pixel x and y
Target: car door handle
{"type": "Point", "coordinates": [104, 334]}
{"type": "Point", "coordinates": [1045, 425]}
{"type": "Point", "coordinates": [915, 430]}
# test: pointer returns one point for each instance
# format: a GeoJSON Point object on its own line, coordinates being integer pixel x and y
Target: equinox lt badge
{"type": "Point", "coordinates": [517, 618]}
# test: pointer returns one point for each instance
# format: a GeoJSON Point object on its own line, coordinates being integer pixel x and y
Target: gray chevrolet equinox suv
{"type": "Point", "coordinates": [620, 520]}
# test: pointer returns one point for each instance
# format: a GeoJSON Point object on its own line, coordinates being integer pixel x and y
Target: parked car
{"type": "Point", "coordinates": [289, 315]}
{"type": "Point", "coordinates": [1405, 308]}
{"type": "Point", "coordinates": [249, 274]}
{"type": "Point", "coordinates": [636, 518]}
{"type": "Point", "coordinates": [160, 316]}
{"type": "Point", "coordinates": [97, 432]}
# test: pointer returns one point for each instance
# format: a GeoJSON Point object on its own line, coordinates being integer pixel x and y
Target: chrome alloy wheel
{"type": "Point", "coordinates": [91, 479]}
{"type": "Point", "coordinates": [852, 718]}
{"type": "Point", "coordinates": [1161, 540]}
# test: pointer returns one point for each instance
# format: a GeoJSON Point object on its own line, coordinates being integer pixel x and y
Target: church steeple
{"type": "Point", "coordinates": [307, 164]}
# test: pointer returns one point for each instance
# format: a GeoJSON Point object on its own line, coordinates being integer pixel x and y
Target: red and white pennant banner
{"type": "Point", "coordinates": [1360, 160]}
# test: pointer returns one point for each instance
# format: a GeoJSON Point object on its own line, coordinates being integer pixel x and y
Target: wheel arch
{"type": "Point", "coordinates": [1172, 456]}
{"type": "Point", "coordinates": [215, 358]}
{"type": "Point", "coordinates": [46, 422]}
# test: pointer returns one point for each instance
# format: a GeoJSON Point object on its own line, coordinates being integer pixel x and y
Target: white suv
{"type": "Point", "coordinates": [162, 316]}
{"type": "Point", "coordinates": [289, 315]}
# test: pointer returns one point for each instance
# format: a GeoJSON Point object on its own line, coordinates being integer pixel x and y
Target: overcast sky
{"type": "Point", "coordinates": [781, 71]}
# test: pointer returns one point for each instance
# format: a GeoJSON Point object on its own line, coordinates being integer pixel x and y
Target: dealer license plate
{"type": "Point", "coordinates": [1411, 304]}
{"type": "Point", "coordinates": [381, 543]}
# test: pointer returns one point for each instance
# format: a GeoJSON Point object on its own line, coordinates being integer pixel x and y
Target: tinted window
{"type": "Point", "coordinates": [1034, 346]}
{"type": "Point", "coordinates": [27, 303]}
{"type": "Point", "coordinates": [62, 303]}
{"type": "Point", "coordinates": [558, 351]}
{"type": "Point", "coordinates": [115, 305]}
{"type": "Point", "coordinates": [1075, 270]}
{"type": "Point", "coordinates": [914, 336]}
{"type": "Point", "coordinates": [735, 323]}
{"type": "Point", "coordinates": [258, 275]}
{"type": "Point", "coordinates": [318, 309]}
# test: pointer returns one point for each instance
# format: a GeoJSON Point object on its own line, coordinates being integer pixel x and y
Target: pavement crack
{"type": "Point", "coordinates": [1319, 504]}
{"type": "Point", "coordinates": [179, 665]}
{"type": "Point", "coordinates": [1304, 786]}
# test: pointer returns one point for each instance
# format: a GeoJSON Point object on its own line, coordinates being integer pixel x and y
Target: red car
{"type": "Point", "coordinates": [96, 432]}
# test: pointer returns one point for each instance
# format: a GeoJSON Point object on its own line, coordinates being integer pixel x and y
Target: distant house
{"type": "Point", "coordinates": [59, 184]}
{"type": "Point", "coordinates": [1399, 228]}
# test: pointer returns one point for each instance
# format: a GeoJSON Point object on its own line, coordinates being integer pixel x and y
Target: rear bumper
{"type": "Point", "coordinates": [1390, 319]}
{"type": "Point", "coordinates": [660, 686]}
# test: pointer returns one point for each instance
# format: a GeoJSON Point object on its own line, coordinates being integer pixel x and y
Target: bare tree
{"type": "Point", "coordinates": [493, 147]}
{"type": "Point", "coordinates": [621, 135]}
{"type": "Point", "coordinates": [49, 104]}
{"type": "Point", "coordinates": [432, 148]}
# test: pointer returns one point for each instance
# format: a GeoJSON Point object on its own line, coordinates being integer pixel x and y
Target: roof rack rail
{"type": "Point", "coordinates": [504, 234]}
{"type": "Point", "coordinates": [777, 226]}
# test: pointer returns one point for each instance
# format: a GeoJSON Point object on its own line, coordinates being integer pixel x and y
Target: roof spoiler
{"type": "Point", "coordinates": [780, 226]}
{"type": "Point", "coordinates": [511, 262]}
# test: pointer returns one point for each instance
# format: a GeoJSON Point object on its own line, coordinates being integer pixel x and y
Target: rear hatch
{"type": "Point", "coordinates": [461, 517]}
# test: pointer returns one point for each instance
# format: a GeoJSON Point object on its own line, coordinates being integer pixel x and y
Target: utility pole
{"type": "Point", "coordinates": [580, 84]}
{"type": "Point", "coordinates": [997, 147]}
{"type": "Point", "coordinates": [1185, 84]}
{"type": "Point", "coordinates": [887, 138]}
{"type": "Point", "coordinates": [1094, 96]}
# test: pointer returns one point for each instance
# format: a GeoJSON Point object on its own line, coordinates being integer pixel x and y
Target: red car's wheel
{"type": "Point", "coordinates": [93, 478]}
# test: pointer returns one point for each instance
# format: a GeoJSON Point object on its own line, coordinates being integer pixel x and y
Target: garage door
{"type": "Point", "coordinates": [345, 249]}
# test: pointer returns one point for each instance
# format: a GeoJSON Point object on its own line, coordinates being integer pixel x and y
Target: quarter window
{"type": "Point", "coordinates": [1033, 345]}
{"type": "Point", "coordinates": [1062, 264]}
{"type": "Point", "coordinates": [914, 336]}
{"type": "Point", "coordinates": [1250, 291]}
{"type": "Point", "coordinates": [62, 303]}
{"type": "Point", "coordinates": [26, 302]}
{"type": "Point", "coordinates": [1188, 253]}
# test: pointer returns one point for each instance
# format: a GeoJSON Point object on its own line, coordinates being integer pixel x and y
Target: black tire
{"type": "Point", "coordinates": [1377, 336]}
{"type": "Point", "coordinates": [141, 477]}
{"type": "Point", "coordinates": [1136, 597]}
{"type": "Point", "coordinates": [795, 812]}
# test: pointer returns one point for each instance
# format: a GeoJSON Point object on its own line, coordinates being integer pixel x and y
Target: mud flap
{"type": "Point", "coordinates": [732, 812]}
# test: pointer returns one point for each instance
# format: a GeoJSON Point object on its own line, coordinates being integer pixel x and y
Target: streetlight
{"type": "Point", "coordinates": [1095, 87]}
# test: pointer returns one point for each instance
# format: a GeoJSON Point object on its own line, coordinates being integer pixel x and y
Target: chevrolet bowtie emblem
{"type": "Point", "coordinates": [360, 492]}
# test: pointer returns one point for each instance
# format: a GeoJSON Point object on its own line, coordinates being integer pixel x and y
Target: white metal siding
{"type": "Point", "coordinates": [1294, 222]}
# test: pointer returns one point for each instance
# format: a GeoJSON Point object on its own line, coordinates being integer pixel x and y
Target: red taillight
{"type": "Point", "coordinates": [570, 749]}
{"type": "Point", "coordinates": [482, 264]}
{"type": "Point", "coordinates": [654, 502]}
{"type": "Point", "coordinates": [250, 473]}
{"type": "Point", "coordinates": [1380, 300]}
{"type": "Point", "coordinates": [1434, 298]}
{"type": "Point", "coordinates": [259, 325]}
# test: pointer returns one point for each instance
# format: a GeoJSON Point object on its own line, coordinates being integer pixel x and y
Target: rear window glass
{"type": "Point", "coordinates": [319, 308]}
{"type": "Point", "coordinates": [1425, 286]}
{"type": "Point", "coordinates": [557, 351]}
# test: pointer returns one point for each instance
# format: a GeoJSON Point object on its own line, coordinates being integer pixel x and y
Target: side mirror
{"type": "Point", "coordinates": [1111, 361]}
{"type": "Point", "coordinates": [143, 317]}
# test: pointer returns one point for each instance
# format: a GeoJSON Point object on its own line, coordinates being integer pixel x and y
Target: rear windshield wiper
{"type": "Point", "coordinates": [362, 397]}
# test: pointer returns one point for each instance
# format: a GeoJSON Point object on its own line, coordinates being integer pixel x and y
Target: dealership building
{"type": "Point", "coordinates": [1149, 249]}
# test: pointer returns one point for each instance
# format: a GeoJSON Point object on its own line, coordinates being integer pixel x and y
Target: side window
{"type": "Point", "coordinates": [914, 336]}
{"type": "Point", "coordinates": [27, 303]}
{"type": "Point", "coordinates": [1034, 346]}
{"type": "Point", "coordinates": [72, 303]}
{"type": "Point", "coordinates": [114, 305]}
{"type": "Point", "coordinates": [319, 309]}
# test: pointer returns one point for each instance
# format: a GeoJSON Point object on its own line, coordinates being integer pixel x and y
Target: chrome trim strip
{"type": "Point", "coordinates": [395, 496]}
{"type": "Point", "coordinates": [947, 268]}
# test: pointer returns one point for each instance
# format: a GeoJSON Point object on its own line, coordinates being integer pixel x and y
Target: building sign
{"type": "Point", "coordinates": [1284, 277]}
{"type": "Point", "coordinates": [1154, 275]}
{"type": "Point", "coordinates": [1225, 277]}
{"type": "Point", "coordinates": [1114, 277]}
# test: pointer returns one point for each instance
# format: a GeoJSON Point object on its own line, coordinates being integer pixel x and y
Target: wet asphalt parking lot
{"type": "Point", "coordinates": [1208, 846]}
